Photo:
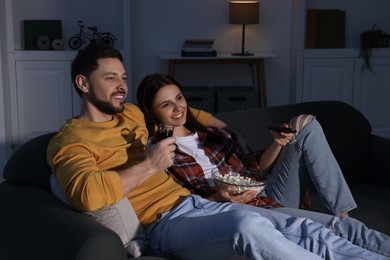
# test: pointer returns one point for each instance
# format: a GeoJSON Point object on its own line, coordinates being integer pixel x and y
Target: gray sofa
{"type": "Point", "coordinates": [363, 157]}
{"type": "Point", "coordinates": [36, 225]}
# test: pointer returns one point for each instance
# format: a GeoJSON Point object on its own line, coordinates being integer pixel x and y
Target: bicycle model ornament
{"type": "Point", "coordinates": [75, 42]}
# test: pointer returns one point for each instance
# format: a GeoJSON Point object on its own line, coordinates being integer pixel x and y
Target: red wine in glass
{"type": "Point", "coordinates": [162, 132]}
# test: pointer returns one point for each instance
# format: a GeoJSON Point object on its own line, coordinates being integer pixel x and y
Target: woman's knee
{"type": "Point", "coordinates": [299, 122]}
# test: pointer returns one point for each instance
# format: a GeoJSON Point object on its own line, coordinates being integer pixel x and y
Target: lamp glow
{"type": "Point", "coordinates": [243, 12]}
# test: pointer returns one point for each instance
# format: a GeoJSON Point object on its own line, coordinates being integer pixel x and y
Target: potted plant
{"type": "Point", "coordinates": [369, 40]}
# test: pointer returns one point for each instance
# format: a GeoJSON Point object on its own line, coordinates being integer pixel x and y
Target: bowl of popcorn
{"type": "Point", "coordinates": [240, 179]}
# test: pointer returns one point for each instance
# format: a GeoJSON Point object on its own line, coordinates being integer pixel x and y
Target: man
{"type": "Point", "coordinates": [99, 159]}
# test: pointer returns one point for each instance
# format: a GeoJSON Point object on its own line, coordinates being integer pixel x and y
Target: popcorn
{"type": "Point", "coordinates": [241, 183]}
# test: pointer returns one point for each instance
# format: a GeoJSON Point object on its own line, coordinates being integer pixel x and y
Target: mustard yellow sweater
{"type": "Point", "coordinates": [85, 156]}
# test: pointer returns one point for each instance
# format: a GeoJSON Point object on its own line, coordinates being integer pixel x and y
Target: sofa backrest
{"type": "Point", "coordinates": [28, 165]}
{"type": "Point", "coordinates": [348, 132]}
{"type": "Point", "coordinates": [351, 148]}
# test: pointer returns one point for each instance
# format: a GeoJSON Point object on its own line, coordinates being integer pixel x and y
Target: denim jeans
{"type": "Point", "coordinates": [349, 228]}
{"type": "Point", "coordinates": [201, 229]}
{"type": "Point", "coordinates": [309, 155]}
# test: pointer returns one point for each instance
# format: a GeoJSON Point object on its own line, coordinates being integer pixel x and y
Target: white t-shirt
{"type": "Point", "coordinates": [192, 146]}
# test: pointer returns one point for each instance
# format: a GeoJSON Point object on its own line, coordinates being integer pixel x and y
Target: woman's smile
{"type": "Point", "coordinates": [179, 119]}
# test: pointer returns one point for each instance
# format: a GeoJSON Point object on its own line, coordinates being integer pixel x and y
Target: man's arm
{"type": "Point", "coordinates": [217, 123]}
{"type": "Point", "coordinates": [89, 187]}
{"type": "Point", "coordinates": [158, 158]}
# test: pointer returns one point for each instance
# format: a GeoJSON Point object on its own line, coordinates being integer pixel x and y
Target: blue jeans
{"type": "Point", "coordinates": [349, 228]}
{"type": "Point", "coordinates": [309, 156]}
{"type": "Point", "coordinates": [201, 229]}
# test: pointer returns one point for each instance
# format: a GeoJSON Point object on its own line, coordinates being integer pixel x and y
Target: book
{"type": "Point", "coordinates": [331, 29]}
{"type": "Point", "coordinates": [311, 28]}
{"type": "Point", "coordinates": [197, 49]}
{"type": "Point", "coordinates": [325, 28]}
{"type": "Point", "coordinates": [197, 46]}
{"type": "Point", "coordinates": [212, 53]}
{"type": "Point", "coordinates": [199, 42]}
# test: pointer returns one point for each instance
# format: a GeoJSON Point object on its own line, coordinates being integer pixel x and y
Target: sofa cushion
{"type": "Point", "coordinates": [119, 217]}
{"type": "Point", "coordinates": [28, 165]}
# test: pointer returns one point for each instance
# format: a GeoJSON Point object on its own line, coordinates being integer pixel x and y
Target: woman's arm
{"type": "Point", "coordinates": [268, 157]}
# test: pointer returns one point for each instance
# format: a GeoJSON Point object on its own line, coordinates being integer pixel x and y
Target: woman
{"type": "Point", "coordinates": [290, 158]}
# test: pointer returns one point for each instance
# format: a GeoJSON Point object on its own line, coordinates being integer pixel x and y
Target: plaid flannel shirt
{"type": "Point", "coordinates": [188, 173]}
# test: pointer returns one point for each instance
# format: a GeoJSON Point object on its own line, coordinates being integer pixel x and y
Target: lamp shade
{"type": "Point", "coordinates": [244, 12]}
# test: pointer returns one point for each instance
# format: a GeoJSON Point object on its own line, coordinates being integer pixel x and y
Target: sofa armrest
{"type": "Point", "coordinates": [35, 225]}
{"type": "Point", "coordinates": [380, 150]}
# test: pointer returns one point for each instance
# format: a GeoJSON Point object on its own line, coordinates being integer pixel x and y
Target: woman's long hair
{"type": "Point", "coordinates": [146, 93]}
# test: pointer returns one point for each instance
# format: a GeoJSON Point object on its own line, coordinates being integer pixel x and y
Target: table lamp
{"type": "Point", "coordinates": [243, 12]}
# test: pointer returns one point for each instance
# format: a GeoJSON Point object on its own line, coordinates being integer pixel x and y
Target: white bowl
{"type": "Point", "coordinates": [241, 179]}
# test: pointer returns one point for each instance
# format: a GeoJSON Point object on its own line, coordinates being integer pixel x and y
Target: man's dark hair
{"type": "Point", "coordinates": [85, 61]}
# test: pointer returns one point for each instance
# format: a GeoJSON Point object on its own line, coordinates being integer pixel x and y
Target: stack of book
{"type": "Point", "coordinates": [198, 48]}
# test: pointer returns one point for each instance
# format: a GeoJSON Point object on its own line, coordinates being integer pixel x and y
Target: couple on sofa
{"type": "Point", "coordinates": [99, 158]}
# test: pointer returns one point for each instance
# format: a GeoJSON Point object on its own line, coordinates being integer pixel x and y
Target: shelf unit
{"type": "Point", "coordinates": [324, 74]}
{"type": "Point", "coordinates": [40, 91]}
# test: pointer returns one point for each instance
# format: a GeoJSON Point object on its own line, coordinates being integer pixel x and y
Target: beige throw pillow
{"type": "Point", "coordinates": [119, 217]}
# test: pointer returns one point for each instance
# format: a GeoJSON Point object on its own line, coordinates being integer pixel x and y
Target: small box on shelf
{"type": "Point", "coordinates": [233, 98]}
{"type": "Point", "coordinates": [200, 97]}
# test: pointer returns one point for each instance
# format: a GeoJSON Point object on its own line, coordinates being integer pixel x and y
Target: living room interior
{"type": "Point", "coordinates": [37, 96]}
{"type": "Point", "coordinates": [148, 28]}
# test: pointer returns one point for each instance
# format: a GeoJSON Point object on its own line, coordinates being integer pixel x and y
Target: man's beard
{"type": "Point", "coordinates": [105, 107]}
